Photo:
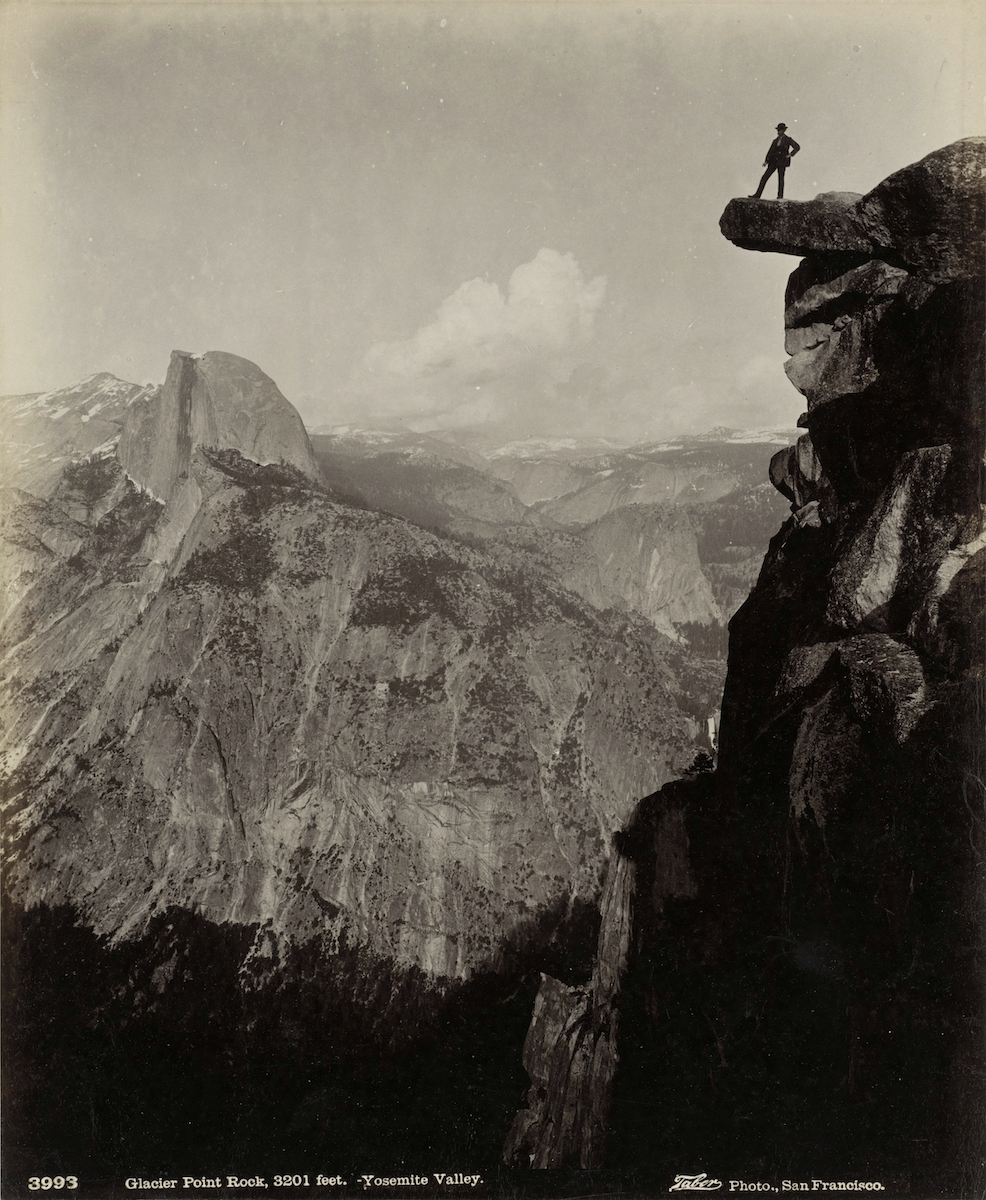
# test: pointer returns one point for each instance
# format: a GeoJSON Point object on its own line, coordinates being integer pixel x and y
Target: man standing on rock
{"type": "Point", "coordinates": [782, 150]}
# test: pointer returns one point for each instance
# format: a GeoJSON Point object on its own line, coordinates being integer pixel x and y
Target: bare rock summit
{"type": "Point", "coordinates": [214, 400]}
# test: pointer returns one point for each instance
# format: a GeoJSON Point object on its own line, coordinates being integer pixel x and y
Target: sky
{"type": "Point", "coordinates": [446, 215]}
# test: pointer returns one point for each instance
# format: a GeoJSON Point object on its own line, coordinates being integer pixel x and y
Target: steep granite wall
{"type": "Point", "coordinates": [811, 1003]}
{"type": "Point", "coordinates": [216, 400]}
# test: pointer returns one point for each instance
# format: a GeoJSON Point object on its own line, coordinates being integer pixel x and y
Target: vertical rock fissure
{"type": "Point", "coordinates": [185, 381]}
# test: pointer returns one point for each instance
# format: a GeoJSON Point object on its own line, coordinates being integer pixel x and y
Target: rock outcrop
{"type": "Point", "coordinates": [215, 400]}
{"type": "Point", "coordinates": [925, 218]}
{"type": "Point", "coordinates": [645, 556]}
{"type": "Point", "coordinates": [570, 1050]}
{"type": "Point", "coordinates": [809, 1000]}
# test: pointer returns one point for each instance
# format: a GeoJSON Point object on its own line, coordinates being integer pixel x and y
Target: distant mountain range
{"type": "Point", "coordinates": [178, 554]}
{"type": "Point", "coordinates": [673, 530]}
{"type": "Point", "coordinates": [564, 486]}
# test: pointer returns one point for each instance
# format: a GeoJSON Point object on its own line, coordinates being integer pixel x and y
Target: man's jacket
{"type": "Point", "coordinates": [781, 150]}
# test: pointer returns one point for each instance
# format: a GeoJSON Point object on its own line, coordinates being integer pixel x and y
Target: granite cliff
{"type": "Point", "coordinates": [247, 658]}
{"type": "Point", "coordinates": [800, 990]}
{"type": "Point", "coordinates": [216, 400]}
{"type": "Point", "coordinates": [646, 556]}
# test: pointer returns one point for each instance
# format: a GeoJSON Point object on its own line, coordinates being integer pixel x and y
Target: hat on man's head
{"type": "Point", "coordinates": [782, 126]}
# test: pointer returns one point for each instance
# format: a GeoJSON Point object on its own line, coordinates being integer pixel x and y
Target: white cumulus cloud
{"type": "Point", "coordinates": [485, 352]}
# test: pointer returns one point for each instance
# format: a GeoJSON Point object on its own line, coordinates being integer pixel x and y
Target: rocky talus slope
{"type": "Point", "coordinates": [801, 991]}
{"type": "Point", "coordinates": [264, 745]}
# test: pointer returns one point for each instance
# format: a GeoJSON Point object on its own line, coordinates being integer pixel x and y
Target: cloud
{"type": "Point", "coordinates": [544, 358]}
{"type": "Point", "coordinates": [485, 354]}
{"type": "Point", "coordinates": [763, 395]}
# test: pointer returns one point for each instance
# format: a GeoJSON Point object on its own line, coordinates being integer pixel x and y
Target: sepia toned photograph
{"type": "Point", "coordinates": [492, 599]}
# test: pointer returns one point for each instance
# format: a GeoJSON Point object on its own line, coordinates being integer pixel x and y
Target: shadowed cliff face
{"type": "Point", "coordinates": [802, 991]}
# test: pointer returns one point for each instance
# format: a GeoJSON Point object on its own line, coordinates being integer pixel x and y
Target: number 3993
{"type": "Point", "coordinates": [49, 1183]}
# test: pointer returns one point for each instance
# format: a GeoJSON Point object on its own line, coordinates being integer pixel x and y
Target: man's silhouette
{"type": "Point", "coordinates": [782, 150]}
